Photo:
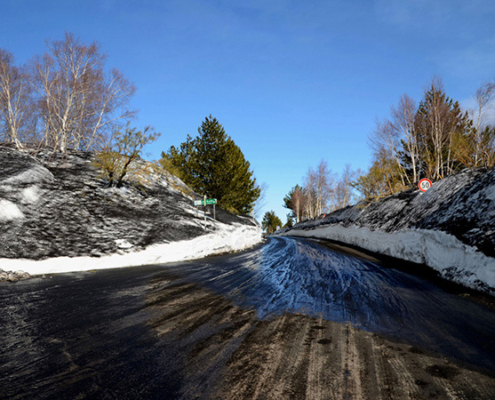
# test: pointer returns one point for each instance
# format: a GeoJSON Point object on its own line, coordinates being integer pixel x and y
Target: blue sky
{"type": "Point", "coordinates": [292, 82]}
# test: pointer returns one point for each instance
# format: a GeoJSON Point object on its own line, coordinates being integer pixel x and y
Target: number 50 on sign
{"type": "Point", "coordinates": [424, 184]}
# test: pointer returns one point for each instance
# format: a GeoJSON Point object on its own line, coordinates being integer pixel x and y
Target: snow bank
{"type": "Point", "coordinates": [450, 227]}
{"type": "Point", "coordinates": [226, 239]}
{"type": "Point", "coordinates": [441, 251]}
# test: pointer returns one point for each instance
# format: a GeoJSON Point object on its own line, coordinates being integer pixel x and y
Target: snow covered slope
{"type": "Point", "coordinates": [450, 228]}
{"type": "Point", "coordinates": [57, 214]}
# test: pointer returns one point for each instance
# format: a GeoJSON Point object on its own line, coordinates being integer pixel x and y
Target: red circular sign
{"type": "Point", "coordinates": [424, 184]}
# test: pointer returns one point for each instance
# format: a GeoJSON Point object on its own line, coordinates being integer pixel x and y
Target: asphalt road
{"type": "Point", "coordinates": [291, 319]}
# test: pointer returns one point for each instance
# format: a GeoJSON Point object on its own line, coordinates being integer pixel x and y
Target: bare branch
{"type": "Point", "coordinates": [78, 102]}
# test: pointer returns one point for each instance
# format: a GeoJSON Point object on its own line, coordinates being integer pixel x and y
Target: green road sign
{"type": "Point", "coordinates": [205, 202]}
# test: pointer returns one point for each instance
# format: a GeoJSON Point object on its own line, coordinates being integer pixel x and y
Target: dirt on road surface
{"type": "Point", "coordinates": [289, 319]}
{"type": "Point", "coordinates": [294, 356]}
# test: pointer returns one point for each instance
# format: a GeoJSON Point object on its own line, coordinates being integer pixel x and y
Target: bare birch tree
{"type": "Point", "coordinates": [325, 184]}
{"type": "Point", "coordinates": [318, 189]}
{"type": "Point", "coordinates": [260, 202]}
{"type": "Point", "coordinates": [438, 120]}
{"type": "Point", "coordinates": [298, 203]}
{"type": "Point", "coordinates": [483, 97]}
{"type": "Point", "coordinates": [343, 189]}
{"type": "Point", "coordinates": [403, 117]}
{"type": "Point", "coordinates": [15, 99]}
{"type": "Point", "coordinates": [385, 139]}
{"type": "Point", "coordinates": [396, 139]}
{"type": "Point", "coordinates": [295, 201]}
{"type": "Point", "coordinates": [78, 102]}
{"type": "Point", "coordinates": [484, 143]}
{"type": "Point", "coordinates": [310, 190]}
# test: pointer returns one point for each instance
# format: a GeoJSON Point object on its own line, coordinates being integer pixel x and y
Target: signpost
{"type": "Point", "coordinates": [424, 184]}
{"type": "Point", "coordinates": [204, 203]}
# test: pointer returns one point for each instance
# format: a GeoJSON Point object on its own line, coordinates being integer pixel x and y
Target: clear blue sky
{"type": "Point", "coordinates": [292, 82]}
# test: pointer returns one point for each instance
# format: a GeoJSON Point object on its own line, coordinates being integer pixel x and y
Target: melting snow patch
{"type": "Point", "coordinates": [30, 194]}
{"type": "Point", "coordinates": [36, 174]}
{"type": "Point", "coordinates": [9, 211]}
{"type": "Point", "coordinates": [123, 244]}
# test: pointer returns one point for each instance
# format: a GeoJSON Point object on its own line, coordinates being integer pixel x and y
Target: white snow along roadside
{"type": "Point", "coordinates": [227, 238]}
{"type": "Point", "coordinates": [443, 252]}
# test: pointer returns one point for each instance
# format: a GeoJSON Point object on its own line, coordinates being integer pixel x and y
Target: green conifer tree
{"type": "Point", "coordinates": [270, 222]}
{"type": "Point", "coordinates": [290, 221]}
{"type": "Point", "coordinates": [213, 165]}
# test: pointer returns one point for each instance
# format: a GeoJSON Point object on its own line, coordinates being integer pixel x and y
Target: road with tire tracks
{"type": "Point", "coordinates": [289, 319]}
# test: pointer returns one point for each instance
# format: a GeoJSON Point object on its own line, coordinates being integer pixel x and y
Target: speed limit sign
{"type": "Point", "coordinates": [424, 184]}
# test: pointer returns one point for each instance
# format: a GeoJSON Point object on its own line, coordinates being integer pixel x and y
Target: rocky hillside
{"type": "Point", "coordinates": [451, 227]}
{"type": "Point", "coordinates": [54, 205]}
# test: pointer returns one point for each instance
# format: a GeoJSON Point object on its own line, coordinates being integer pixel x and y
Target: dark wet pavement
{"type": "Point", "coordinates": [302, 276]}
{"type": "Point", "coordinates": [88, 334]}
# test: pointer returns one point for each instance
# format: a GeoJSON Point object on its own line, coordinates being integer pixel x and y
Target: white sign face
{"type": "Point", "coordinates": [424, 184]}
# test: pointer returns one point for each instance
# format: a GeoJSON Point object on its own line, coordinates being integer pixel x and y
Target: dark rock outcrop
{"type": "Point", "coordinates": [54, 205]}
{"type": "Point", "coordinates": [13, 276]}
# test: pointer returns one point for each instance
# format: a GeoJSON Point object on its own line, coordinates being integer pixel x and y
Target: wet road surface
{"type": "Point", "coordinates": [289, 319]}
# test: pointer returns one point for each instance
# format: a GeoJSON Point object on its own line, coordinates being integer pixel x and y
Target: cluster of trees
{"type": "Point", "coordinates": [213, 165]}
{"type": "Point", "coordinates": [322, 192]}
{"type": "Point", "coordinates": [63, 98]}
{"type": "Point", "coordinates": [431, 140]}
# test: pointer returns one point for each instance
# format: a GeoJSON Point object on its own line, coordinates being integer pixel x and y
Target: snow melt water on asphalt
{"type": "Point", "coordinates": [439, 250]}
{"type": "Point", "coordinates": [450, 228]}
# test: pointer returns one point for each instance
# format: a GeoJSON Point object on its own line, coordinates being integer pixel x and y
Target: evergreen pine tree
{"type": "Point", "coordinates": [290, 221]}
{"type": "Point", "coordinates": [213, 165]}
{"type": "Point", "coordinates": [270, 222]}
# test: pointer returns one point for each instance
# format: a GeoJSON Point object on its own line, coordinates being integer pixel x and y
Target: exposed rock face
{"type": "Point", "coordinates": [58, 205]}
{"type": "Point", "coordinates": [9, 276]}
